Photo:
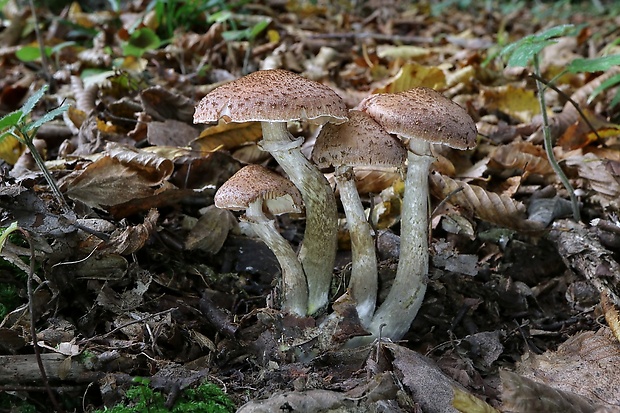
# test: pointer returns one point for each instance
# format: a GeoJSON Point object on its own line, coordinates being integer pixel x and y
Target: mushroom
{"type": "Point", "coordinates": [259, 192]}
{"type": "Point", "coordinates": [360, 142]}
{"type": "Point", "coordinates": [419, 116]}
{"type": "Point", "coordinates": [274, 97]}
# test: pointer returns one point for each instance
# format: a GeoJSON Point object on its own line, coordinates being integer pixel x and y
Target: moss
{"type": "Point", "coordinates": [206, 398]}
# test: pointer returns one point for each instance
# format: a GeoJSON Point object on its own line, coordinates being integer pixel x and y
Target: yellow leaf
{"type": "Point", "coordinates": [414, 75]}
{"type": "Point", "coordinates": [10, 149]}
{"type": "Point", "coordinates": [227, 136]}
{"type": "Point", "coordinates": [402, 52]}
{"type": "Point", "coordinates": [468, 403]}
{"type": "Point", "coordinates": [273, 36]}
{"type": "Point", "coordinates": [517, 102]}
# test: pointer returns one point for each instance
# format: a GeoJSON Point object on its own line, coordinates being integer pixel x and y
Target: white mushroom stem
{"type": "Point", "coordinates": [318, 250]}
{"type": "Point", "coordinates": [363, 283]}
{"type": "Point", "coordinates": [294, 288]}
{"type": "Point", "coordinates": [401, 306]}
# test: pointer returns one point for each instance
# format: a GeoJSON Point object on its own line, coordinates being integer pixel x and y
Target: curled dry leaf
{"type": "Point", "coordinates": [211, 230]}
{"type": "Point", "coordinates": [131, 239]}
{"type": "Point", "coordinates": [498, 209]}
{"type": "Point", "coordinates": [85, 97]}
{"type": "Point", "coordinates": [599, 178]}
{"type": "Point", "coordinates": [162, 104]}
{"type": "Point", "coordinates": [611, 314]}
{"type": "Point", "coordinates": [227, 136]}
{"type": "Point", "coordinates": [121, 176]}
{"type": "Point", "coordinates": [522, 156]}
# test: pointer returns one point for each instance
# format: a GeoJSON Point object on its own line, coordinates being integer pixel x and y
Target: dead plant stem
{"type": "Point", "coordinates": [549, 145]}
{"type": "Point", "coordinates": [33, 330]}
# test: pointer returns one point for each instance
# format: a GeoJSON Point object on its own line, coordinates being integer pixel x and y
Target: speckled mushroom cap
{"type": "Point", "coordinates": [359, 142]}
{"type": "Point", "coordinates": [271, 95]}
{"type": "Point", "coordinates": [254, 182]}
{"type": "Point", "coordinates": [422, 113]}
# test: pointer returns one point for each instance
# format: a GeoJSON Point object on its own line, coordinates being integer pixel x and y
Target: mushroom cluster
{"type": "Point", "coordinates": [348, 139]}
{"type": "Point", "coordinates": [273, 98]}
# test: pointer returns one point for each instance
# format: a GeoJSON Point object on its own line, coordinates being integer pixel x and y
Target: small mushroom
{"type": "Point", "coordinates": [360, 142]}
{"type": "Point", "coordinates": [274, 97]}
{"type": "Point", "coordinates": [419, 116]}
{"type": "Point", "coordinates": [262, 193]}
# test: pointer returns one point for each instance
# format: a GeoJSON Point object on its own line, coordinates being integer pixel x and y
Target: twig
{"type": "Point", "coordinates": [375, 36]}
{"type": "Point", "coordinates": [44, 62]}
{"type": "Point", "coordinates": [568, 98]}
{"type": "Point", "coordinates": [549, 145]}
{"type": "Point", "coordinates": [33, 330]}
{"type": "Point", "coordinates": [128, 324]}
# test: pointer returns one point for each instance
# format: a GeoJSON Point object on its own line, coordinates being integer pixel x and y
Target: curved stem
{"type": "Point", "coordinates": [549, 145]}
{"type": "Point", "coordinates": [318, 251]}
{"type": "Point", "coordinates": [28, 141]}
{"type": "Point", "coordinates": [401, 306]}
{"type": "Point", "coordinates": [294, 288]}
{"type": "Point", "coordinates": [363, 283]}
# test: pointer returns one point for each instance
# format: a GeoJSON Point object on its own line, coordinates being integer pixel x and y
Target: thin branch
{"type": "Point", "coordinates": [33, 330]}
{"type": "Point", "coordinates": [44, 61]}
{"type": "Point", "coordinates": [568, 98]}
{"type": "Point", "coordinates": [127, 324]}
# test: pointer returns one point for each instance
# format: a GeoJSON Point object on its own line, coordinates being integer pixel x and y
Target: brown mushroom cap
{"type": "Point", "coordinates": [422, 113]}
{"type": "Point", "coordinates": [254, 182]}
{"type": "Point", "coordinates": [271, 96]}
{"type": "Point", "coordinates": [359, 142]}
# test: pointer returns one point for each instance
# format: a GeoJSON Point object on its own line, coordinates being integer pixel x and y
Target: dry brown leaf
{"type": "Point", "coordinates": [611, 314]}
{"type": "Point", "coordinates": [170, 133]}
{"type": "Point", "coordinates": [129, 240]}
{"type": "Point", "coordinates": [227, 136]}
{"type": "Point", "coordinates": [427, 384]}
{"type": "Point", "coordinates": [525, 157]}
{"type": "Point", "coordinates": [599, 178]}
{"type": "Point", "coordinates": [522, 395]}
{"type": "Point", "coordinates": [122, 175]}
{"type": "Point", "coordinates": [211, 230]}
{"type": "Point", "coordinates": [498, 209]}
{"type": "Point", "coordinates": [162, 104]}
{"type": "Point", "coordinates": [579, 134]}
{"type": "Point", "coordinates": [586, 364]}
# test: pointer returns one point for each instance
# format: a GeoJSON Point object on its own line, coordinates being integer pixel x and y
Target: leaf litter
{"type": "Point", "coordinates": [145, 277]}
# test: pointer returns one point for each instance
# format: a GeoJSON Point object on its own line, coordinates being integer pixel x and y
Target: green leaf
{"type": "Point", "coordinates": [61, 46]}
{"type": "Point", "coordinates": [521, 52]}
{"type": "Point", "coordinates": [598, 64]}
{"type": "Point", "coordinates": [220, 16]}
{"type": "Point", "coordinates": [5, 234]}
{"type": "Point", "coordinates": [32, 101]}
{"type": "Point", "coordinates": [258, 28]}
{"type": "Point", "coordinates": [611, 82]}
{"type": "Point", "coordinates": [525, 53]}
{"type": "Point", "coordinates": [234, 35]}
{"type": "Point", "coordinates": [46, 118]}
{"type": "Point", "coordinates": [10, 119]}
{"type": "Point", "coordinates": [31, 53]}
{"type": "Point", "coordinates": [140, 41]}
